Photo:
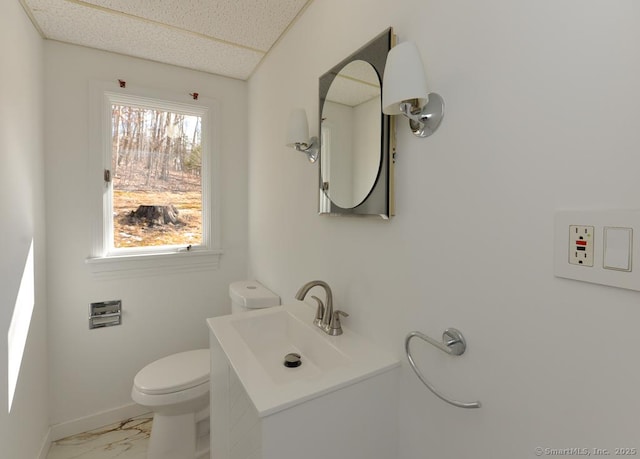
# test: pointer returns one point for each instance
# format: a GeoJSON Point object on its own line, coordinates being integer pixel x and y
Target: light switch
{"type": "Point", "coordinates": [617, 248]}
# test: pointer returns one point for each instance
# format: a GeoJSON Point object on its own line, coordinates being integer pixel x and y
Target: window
{"type": "Point", "coordinates": [155, 161]}
{"type": "Point", "coordinates": [156, 177]}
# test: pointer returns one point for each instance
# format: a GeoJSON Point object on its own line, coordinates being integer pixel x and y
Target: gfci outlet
{"type": "Point", "coordinates": [609, 246]}
{"type": "Point", "coordinates": [581, 245]}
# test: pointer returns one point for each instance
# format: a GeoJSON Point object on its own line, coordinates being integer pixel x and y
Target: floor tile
{"type": "Point", "coordinates": [124, 440]}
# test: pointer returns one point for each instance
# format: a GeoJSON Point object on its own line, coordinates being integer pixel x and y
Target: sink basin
{"type": "Point", "coordinates": [255, 344]}
{"type": "Point", "coordinates": [274, 334]}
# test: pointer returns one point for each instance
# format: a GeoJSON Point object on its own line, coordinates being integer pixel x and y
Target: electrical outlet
{"type": "Point", "coordinates": [612, 252]}
{"type": "Point", "coordinates": [581, 245]}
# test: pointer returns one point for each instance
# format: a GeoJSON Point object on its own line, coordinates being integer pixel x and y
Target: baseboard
{"type": "Point", "coordinates": [95, 421]}
{"type": "Point", "coordinates": [46, 443]}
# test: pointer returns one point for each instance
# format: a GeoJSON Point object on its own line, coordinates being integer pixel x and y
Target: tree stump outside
{"type": "Point", "coordinates": [156, 215]}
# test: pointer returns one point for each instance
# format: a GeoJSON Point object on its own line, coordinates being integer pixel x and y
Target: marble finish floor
{"type": "Point", "coordinates": [123, 440]}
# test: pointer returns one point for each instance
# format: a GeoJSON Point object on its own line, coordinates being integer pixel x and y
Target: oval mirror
{"type": "Point", "coordinates": [351, 128]}
{"type": "Point", "coordinates": [356, 139]}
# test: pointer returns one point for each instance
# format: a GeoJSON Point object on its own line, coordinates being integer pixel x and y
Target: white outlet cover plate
{"type": "Point", "coordinates": [596, 274]}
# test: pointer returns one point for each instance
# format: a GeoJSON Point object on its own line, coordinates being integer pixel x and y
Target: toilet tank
{"type": "Point", "coordinates": [247, 295]}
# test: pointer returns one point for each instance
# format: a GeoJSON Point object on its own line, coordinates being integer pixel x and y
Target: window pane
{"type": "Point", "coordinates": [156, 174]}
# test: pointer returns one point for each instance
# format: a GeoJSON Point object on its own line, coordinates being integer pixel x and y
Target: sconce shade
{"type": "Point", "coordinates": [298, 128]}
{"type": "Point", "coordinates": [404, 78]}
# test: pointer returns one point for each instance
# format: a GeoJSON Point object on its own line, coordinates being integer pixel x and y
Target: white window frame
{"type": "Point", "coordinates": [107, 261]}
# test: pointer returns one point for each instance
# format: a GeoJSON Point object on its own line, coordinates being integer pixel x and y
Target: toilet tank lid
{"type": "Point", "coordinates": [174, 373]}
{"type": "Point", "coordinates": [252, 294]}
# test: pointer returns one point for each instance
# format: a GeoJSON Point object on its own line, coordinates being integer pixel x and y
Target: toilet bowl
{"type": "Point", "coordinates": [176, 388]}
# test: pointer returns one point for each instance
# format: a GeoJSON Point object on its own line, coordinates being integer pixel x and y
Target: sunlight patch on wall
{"type": "Point", "coordinates": [20, 321]}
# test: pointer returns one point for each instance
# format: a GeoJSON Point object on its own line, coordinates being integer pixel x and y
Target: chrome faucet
{"type": "Point", "coordinates": [326, 319]}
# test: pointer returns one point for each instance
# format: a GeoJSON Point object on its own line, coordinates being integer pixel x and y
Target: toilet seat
{"type": "Point", "coordinates": [174, 373]}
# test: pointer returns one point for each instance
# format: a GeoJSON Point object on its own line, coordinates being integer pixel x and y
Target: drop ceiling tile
{"type": "Point", "coordinates": [351, 93]}
{"type": "Point", "coordinates": [73, 23]}
{"type": "Point", "coordinates": [361, 71]}
{"type": "Point", "coordinates": [256, 24]}
{"type": "Point", "coordinates": [356, 83]}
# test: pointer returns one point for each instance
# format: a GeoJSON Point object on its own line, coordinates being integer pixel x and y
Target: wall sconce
{"type": "Point", "coordinates": [404, 91]}
{"type": "Point", "coordinates": [298, 135]}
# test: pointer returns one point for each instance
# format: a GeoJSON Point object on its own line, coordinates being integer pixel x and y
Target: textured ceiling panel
{"type": "Point", "coordinates": [225, 37]}
{"type": "Point", "coordinates": [255, 24]}
{"type": "Point", "coordinates": [356, 83]}
{"type": "Point", "coordinates": [350, 92]}
{"type": "Point", "coordinates": [73, 23]}
{"type": "Point", "coordinates": [361, 71]}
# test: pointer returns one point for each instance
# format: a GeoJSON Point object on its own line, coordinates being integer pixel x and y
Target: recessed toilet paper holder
{"type": "Point", "coordinates": [105, 314]}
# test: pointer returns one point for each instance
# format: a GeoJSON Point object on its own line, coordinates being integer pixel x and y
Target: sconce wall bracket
{"type": "Point", "coordinates": [311, 149]}
{"type": "Point", "coordinates": [424, 121]}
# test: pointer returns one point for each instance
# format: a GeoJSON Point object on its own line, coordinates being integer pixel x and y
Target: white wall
{"type": "Point", "coordinates": [93, 370]}
{"type": "Point", "coordinates": [366, 145]}
{"type": "Point", "coordinates": [541, 113]}
{"type": "Point", "coordinates": [24, 424]}
{"type": "Point", "coordinates": [339, 121]}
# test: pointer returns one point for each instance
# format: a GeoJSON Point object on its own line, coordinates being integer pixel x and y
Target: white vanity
{"type": "Point", "coordinates": [338, 403]}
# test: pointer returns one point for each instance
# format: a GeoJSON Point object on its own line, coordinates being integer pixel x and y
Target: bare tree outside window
{"type": "Point", "coordinates": [156, 172]}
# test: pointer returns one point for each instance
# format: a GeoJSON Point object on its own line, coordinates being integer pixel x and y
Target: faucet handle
{"type": "Point", "coordinates": [335, 327]}
{"type": "Point", "coordinates": [319, 311]}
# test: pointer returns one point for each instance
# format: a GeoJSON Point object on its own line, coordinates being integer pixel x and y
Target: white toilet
{"type": "Point", "coordinates": [176, 388]}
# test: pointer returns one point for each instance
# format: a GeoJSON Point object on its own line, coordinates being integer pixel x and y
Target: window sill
{"type": "Point", "coordinates": [127, 266]}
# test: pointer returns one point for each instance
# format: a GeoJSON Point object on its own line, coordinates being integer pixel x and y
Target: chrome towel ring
{"type": "Point", "coordinates": [453, 343]}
